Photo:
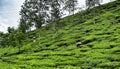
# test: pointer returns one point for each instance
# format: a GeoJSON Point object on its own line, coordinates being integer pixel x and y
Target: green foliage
{"type": "Point", "coordinates": [92, 3]}
{"type": "Point", "coordinates": [70, 5]}
{"type": "Point", "coordinates": [100, 44]}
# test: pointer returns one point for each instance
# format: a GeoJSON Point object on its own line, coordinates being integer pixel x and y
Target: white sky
{"type": "Point", "coordinates": [9, 12]}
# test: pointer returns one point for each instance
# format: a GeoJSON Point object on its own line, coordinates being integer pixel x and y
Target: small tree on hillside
{"type": "Point", "coordinates": [10, 30]}
{"type": "Point", "coordinates": [11, 37]}
{"type": "Point", "coordinates": [20, 37]}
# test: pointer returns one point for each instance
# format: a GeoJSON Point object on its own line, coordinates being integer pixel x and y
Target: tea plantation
{"type": "Point", "coordinates": [99, 35]}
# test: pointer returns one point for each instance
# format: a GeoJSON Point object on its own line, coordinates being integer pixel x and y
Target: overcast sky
{"type": "Point", "coordinates": [9, 12]}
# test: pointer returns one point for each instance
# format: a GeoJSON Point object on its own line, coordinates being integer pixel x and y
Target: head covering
{"type": "Point", "coordinates": [79, 42]}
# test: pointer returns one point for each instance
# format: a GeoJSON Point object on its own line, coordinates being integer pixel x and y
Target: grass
{"type": "Point", "coordinates": [100, 44]}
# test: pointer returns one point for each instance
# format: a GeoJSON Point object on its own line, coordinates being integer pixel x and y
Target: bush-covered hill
{"type": "Point", "coordinates": [98, 32]}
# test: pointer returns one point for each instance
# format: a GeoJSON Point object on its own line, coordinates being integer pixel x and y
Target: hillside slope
{"type": "Point", "coordinates": [99, 36]}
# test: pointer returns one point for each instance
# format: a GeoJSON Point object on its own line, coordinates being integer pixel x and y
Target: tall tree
{"type": "Point", "coordinates": [55, 10]}
{"type": "Point", "coordinates": [39, 12]}
{"type": "Point", "coordinates": [56, 13]}
{"type": "Point", "coordinates": [25, 22]}
{"type": "Point", "coordinates": [70, 5]}
{"type": "Point", "coordinates": [92, 3]}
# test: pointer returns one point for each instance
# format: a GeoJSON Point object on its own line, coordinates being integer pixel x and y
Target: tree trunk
{"type": "Point", "coordinates": [19, 49]}
{"type": "Point", "coordinates": [94, 21]}
{"type": "Point", "coordinates": [39, 37]}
